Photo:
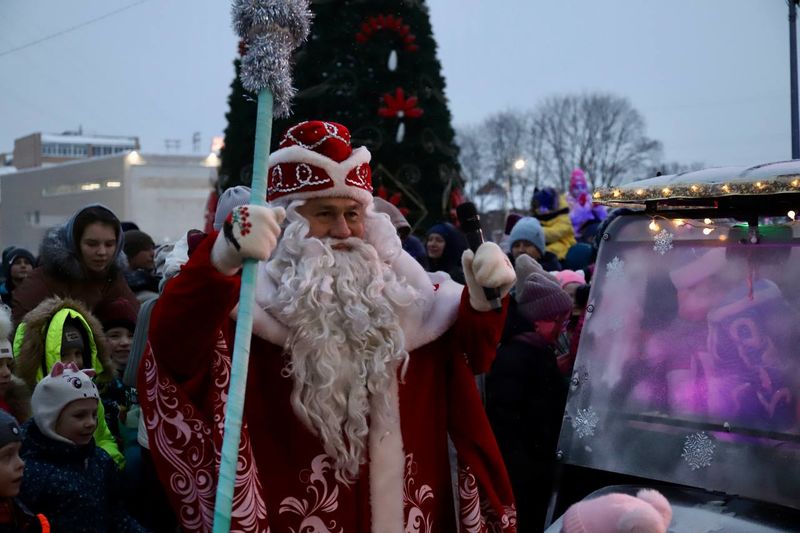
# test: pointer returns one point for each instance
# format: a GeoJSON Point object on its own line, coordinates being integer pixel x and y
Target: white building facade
{"type": "Point", "coordinates": [165, 195]}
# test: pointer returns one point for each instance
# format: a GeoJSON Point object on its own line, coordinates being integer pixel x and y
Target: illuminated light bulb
{"type": "Point", "coordinates": [617, 194]}
{"type": "Point", "coordinates": [726, 188]}
{"type": "Point", "coordinates": [679, 222]}
{"type": "Point", "coordinates": [597, 194]}
{"type": "Point", "coordinates": [653, 226]}
{"type": "Point", "coordinates": [695, 188]}
{"type": "Point", "coordinates": [519, 164]}
{"type": "Point", "coordinates": [707, 221]}
{"type": "Point", "coordinates": [791, 214]}
{"type": "Point", "coordinates": [666, 190]}
{"type": "Point", "coordinates": [795, 183]}
{"type": "Point", "coordinates": [759, 184]}
{"type": "Point", "coordinates": [723, 237]}
{"type": "Point", "coordinates": [640, 192]}
{"type": "Point", "coordinates": [707, 231]}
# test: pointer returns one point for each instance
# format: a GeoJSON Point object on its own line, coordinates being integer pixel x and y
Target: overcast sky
{"type": "Point", "coordinates": [711, 77]}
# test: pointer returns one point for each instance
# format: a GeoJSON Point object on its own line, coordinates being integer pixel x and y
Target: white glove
{"type": "Point", "coordinates": [489, 267]}
{"type": "Point", "coordinates": [250, 231]}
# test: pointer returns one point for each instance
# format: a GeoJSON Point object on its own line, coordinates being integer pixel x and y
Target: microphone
{"type": "Point", "coordinates": [471, 226]}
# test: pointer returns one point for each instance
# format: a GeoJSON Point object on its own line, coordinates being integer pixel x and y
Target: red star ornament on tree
{"type": "Point", "coordinates": [398, 106]}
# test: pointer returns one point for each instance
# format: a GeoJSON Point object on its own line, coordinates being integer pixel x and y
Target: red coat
{"type": "Point", "coordinates": [284, 480]}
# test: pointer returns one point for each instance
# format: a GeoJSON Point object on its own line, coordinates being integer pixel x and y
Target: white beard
{"type": "Point", "coordinates": [345, 342]}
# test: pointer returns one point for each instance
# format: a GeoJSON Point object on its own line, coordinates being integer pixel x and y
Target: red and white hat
{"type": "Point", "coordinates": [315, 160]}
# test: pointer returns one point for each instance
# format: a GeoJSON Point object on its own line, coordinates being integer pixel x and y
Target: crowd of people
{"type": "Point", "coordinates": [366, 341]}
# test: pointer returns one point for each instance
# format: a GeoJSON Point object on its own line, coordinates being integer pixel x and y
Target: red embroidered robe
{"type": "Point", "coordinates": [284, 481]}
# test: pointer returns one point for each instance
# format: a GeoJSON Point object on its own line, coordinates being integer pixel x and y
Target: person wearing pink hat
{"type": "Point", "coordinates": [584, 214]}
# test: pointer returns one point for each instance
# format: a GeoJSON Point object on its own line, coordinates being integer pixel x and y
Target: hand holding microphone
{"type": "Point", "coordinates": [487, 270]}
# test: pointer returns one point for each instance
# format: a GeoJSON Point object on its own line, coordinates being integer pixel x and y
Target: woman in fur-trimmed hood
{"type": "Point", "coordinates": [43, 338]}
{"type": "Point", "coordinates": [82, 260]}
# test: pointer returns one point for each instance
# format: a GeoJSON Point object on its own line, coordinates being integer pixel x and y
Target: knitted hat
{"type": "Point", "coordinates": [117, 313]}
{"type": "Point", "coordinates": [72, 336]}
{"type": "Point", "coordinates": [315, 160]}
{"type": "Point", "coordinates": [15, 253]}
{"type": "Point", "coordinates": [528, 229]}
{"type": "Point", "coordinates": [64, 385]}
{"type": "Point", "coordinates": [136, 241]}
{"type": "Point", "coordinates": [382, 206]}
{"type": "Point", "coordinates": [5, 332]}
{"type": "Point", "coordinates": [546, 198]}
{"type": "Point", "coordinates": [538, 295]}
{"type": "Point", "coordinates": [565, 277]}
{"type": "Point", "coordinates": [577, 182]}
{"type": "Point", "coordinates": [232, 197]}
{"type": "Point", "coordinates": [9, 429]}
{"type": "Point", "coordinates": [614, 513]}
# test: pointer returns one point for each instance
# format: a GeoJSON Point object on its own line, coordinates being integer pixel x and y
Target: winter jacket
{"type": "Point", "coordinates": [558, 232]}
{"type": "Point", "coordinates": [37, 347]}
{"type": "Point", "coordinates": [78, 488]}
{"type": "Point", "coordinates": [17, 518]}
{"type": "Point", "coordinates": [525, 400]}
{"type": "Point", "coordinates": [62, 274]}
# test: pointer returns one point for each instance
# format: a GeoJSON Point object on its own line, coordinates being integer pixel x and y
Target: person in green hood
{"type": "Point", "coordinates": [61, 329]}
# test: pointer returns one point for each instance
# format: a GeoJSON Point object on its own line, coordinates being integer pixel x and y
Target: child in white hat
{"type": "Point", "coordinates": [69, 479]}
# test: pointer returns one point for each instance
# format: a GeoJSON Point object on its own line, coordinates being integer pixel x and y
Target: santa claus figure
{"type": "Point", "coordinates": [361, 364]}
{"type": "Point", "coordinates": [585, 216]}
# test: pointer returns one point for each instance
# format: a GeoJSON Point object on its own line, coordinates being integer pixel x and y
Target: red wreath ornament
{"type": "Point", "coordinates": [399, 106]}
{"type": "Point", "coordinates": [390, 23]}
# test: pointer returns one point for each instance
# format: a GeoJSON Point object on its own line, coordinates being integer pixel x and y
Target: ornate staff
{"type": "Point", "coordinates": [272, 29]}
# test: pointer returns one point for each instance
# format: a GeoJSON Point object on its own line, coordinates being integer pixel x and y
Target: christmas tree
{"type": "Point", "coordinates": [236, 157]}
{"type": "Point", "coordinates": [371, 65]}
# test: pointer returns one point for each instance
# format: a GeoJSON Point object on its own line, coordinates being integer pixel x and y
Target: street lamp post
{"type": "Point", "coordinates": [519, 164]}
{"type": "Point", "coordinates": [793, 75]}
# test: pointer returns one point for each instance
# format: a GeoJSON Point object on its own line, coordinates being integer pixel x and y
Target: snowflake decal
{"type": "Point", "coordinates": [585, 422]}
{"type": "Point", "coordinates": [615, 269]}
{"type": "Point", "coordinates": [698, 450]}
{"type": "Point", "coordinates": [663, 242]}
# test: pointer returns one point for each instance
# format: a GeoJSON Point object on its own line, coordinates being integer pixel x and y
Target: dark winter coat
{"type": "Point", "coordinates": [525, 400]}
{"type": "Point", "coordinates": [16, 518]}
{"type": "Point", "coordinates": [142, 281]}
{"type": "Point", "coordinates": [62, 274]}
{"type": "Point", "coordinates": [77, 488]}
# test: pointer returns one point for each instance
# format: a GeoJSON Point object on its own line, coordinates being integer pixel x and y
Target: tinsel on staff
{"type": "Point", "coordinates": [271, 30]}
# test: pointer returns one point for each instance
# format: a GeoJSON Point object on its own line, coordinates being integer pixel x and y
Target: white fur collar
{"type": "Point", "coordinates": [426, 319]}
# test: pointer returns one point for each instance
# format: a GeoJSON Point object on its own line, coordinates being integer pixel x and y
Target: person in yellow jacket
{"type": "Point", "coordinates": [552, 210]}
{"type": "Point", "coordinates": [62, 329]}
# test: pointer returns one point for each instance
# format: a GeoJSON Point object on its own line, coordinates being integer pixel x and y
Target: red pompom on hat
{"type": "Point", "coordinates": [316, 160]}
